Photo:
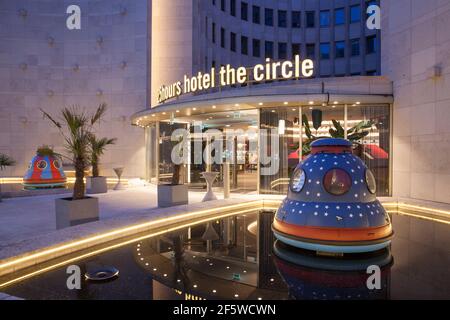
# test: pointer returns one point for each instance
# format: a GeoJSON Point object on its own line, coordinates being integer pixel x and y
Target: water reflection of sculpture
{"type": "Point", "coordinates": [331, 204]}
{"type": "Point", "coordinates": [323, 278]}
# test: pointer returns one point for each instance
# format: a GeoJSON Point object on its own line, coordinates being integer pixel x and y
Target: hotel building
{"type": "Point", "coordinates": [394, 80]}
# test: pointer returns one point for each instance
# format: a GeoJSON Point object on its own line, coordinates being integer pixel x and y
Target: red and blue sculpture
{"type": "Point", "coordinates": [45, 171]}
{"type": "Point", "coordinates": [331, 204]}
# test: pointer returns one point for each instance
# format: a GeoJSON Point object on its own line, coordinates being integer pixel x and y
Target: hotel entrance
{"type": "Point", "coordinates": [238, 131]}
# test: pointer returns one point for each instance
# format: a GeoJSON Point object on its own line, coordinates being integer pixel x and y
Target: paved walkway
{"type": "Point", "coordinates": [22, 218]}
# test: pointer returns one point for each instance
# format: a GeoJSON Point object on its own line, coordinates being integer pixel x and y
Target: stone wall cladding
{"type": "Point", "coordinates": [45, 65]}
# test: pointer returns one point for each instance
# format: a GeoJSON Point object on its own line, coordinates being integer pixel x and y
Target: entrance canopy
{"type": "Point", "coordinates": [313, 92]}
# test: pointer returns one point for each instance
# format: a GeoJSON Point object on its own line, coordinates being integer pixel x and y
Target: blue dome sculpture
{"type": "Point", "coordinates": [331, 204]}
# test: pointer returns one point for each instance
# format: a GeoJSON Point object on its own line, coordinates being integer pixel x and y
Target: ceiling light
{"type": "Point", "coordinates": [164, 113]}
{"type": "Point", "coordinates": [357, 102]}
{"type": "Point", "coordinates": [214, 107]}
{"type": "Point", "coordinates": [236, 295]}
{"type": "Point", "coordinates": [335, 102]}
{"type": "Point", "coordinates": [260, 103]}
{"type": "Point", "coordinates": [195, 286]}
{"type": "Point", "coordinates": [214, 291]}
{"type": "Point", "coordinates": [194, 109]}
{"type": "Point", "coordinates": [236, 105]}
{"type": "Point", "coordinates": [286, 103]}
{"type": "Point", "coordinates": [311, 102]}
{"type": "Point", "coordinates": [178, 111]}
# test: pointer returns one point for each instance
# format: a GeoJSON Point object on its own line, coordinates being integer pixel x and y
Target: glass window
{"type": "Point", "coordinates": [268, 49]}
{"type": "Point", "coordinates": [282, 19]}
{"type": "Point", "coordinates": [233, 7]}
{"type": "Point", "coordinates": [166, 166]}
{"type": "Point", "coordinates": [244, 11]}
{"type": "Point", "coordinates": [374, 147]}
{"type": "Point", "coordinates": [310, 19]}
{"type": "Point", "coordinates": [371, 44]}
{"type": "Point", "coordinates": [339, 49]}
{"type": "Point", "coordinates": [244, 45]}
{"type": "Point", "coordinates": [213, 32]}
{"type": "Point", "coordinates": [222, 5]}
{"type": "Point", "coordinates": [256, 14]}
{"type": "Point", "coordinates": [282, 50]}
{"type": "Point", "coordinates": [324, 51]}
{"type": "Point", "coordinates": [233, 41]}
{"type": "Point", "coordinates": [371, 72]}
{"type": "Point", "coordinates": [268, 17]}
{"type": "Point", "coordinates": [311, 51]}
{"type": "Point", "coordinates": [325, 18]}
{"type": "Point", "coordinates": [222, 37]}
{"type": "Point", "coordinates": [256, 48]}
{"type": "Point", "coordinates": [354, 43]}
{"type": "Point", "coordinates": [285, 158]}
{"type": "Point", "coordinates": [296, 19]}
{"type": "Point", "coordinates": [295, 49]}
{"type": "Point", "coordinates": [355, 13]}
{"type": "Point", "coordinates": [339, 16]}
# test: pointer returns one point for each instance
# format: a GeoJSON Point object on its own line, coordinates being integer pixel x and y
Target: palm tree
{"type": "Point", "coordinates": [5, 161]}
{"type": "Point", "coordinates": [77, 130]}
{"type": "Point", "coordinates": [98, 147]}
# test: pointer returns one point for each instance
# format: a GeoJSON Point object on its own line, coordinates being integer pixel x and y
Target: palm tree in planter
{"type": "Point", "coordinates": [76, 127]}
{"type": "Point", "coordinates": [175, 193]}
{"type": "Point", "coordinates": [97, 184]}
{"type": "Point", "coordinates": [5, 161]}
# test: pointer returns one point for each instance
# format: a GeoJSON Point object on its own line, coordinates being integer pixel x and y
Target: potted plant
{"type": "Point", "coordinates": [97, 184]}
{"type": "Point", "coordinates": [175, 193]}
{"type": "Point", "coordinates": [5, 161]}
{"type": "Point", "coordinates": [76, 127]}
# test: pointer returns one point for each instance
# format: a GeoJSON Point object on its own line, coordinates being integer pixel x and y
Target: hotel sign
{"type": "Point", "coordinates": [229, 75]}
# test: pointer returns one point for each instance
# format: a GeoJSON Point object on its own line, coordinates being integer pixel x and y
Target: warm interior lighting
{"type": "Point", "coordinates": [311, 102]}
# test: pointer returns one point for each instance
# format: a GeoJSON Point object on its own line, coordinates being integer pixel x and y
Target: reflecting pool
{"type": "Point", "coordinates": [238, 258]}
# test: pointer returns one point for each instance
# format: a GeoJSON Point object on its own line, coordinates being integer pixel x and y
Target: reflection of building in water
{"type": "Point", "coordinates": [267, 270]}
{"type": "Point", "coordinates": [189, 264]}
{"type": "Point", "coordinates": [243, 263]}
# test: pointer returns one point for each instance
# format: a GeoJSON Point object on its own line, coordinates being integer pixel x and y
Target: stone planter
{"type": "Point", "coordinates": [73, 212]}
{"type": "Point", "coordinates": [96, 185]}
{"type": "Point", "coordinates": [172, 195]}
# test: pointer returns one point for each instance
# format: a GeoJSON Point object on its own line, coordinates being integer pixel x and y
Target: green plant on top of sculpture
{"type": "Point", "coordinates": [76, 127]}
{"type": "Point", "coordinates": [47, 151]}
{"type": "Point", "coordinates": [98, 147]}
{"type": "Point", "coordinates": [5, 161]}
{"type": "Point", "coordinates": [354, 134]}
